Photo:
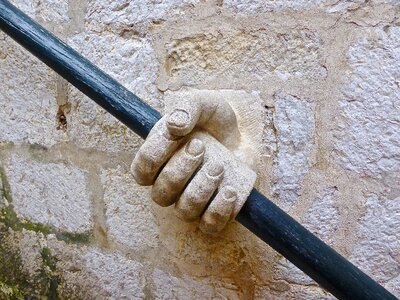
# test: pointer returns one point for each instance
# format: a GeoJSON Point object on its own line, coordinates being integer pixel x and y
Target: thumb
{"type": "Point", "coordinates": [182, 120]}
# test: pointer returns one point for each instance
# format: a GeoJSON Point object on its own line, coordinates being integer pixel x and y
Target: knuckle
{"type": "Point", "coordinates": [210, 224]}
{"type": "Point", "coordinates": [185, 213]}
{"type": "Point", "coordinates": [195, 148]}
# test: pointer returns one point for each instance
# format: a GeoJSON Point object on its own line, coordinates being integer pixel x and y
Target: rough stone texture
{"type": "Point", "coordinates": [26, 6]}
{"type": "Point", "coordinates": [255, 7]}
{"type": "Point", "coordinates": [350, 5]}
{"type": "Point", "coordinates": [116, 277]}
{"type": "Point", "coordinates": [91, 273]}
{"type": "Point", "coordinates": [295, 125]}
{"type": "Point", "coordinates": [46, 10]}
{"type": "Point", "coordinates": [296, 292]}
{"type": "Point", "coordinates": [259, 6]}
{"type": "Point", "coordinates": [323, 77]}
{"type": "Point", "coordinates": [203, 57]}
{"type": "Point", "coordinates": [378, 243]}
{"type": "Point", "coordinates": [2, 199]}
{"type": "Point", "coordinates": [50, 193]}
{"type": "Point", "coordinates": [128, 216]}
{"type": "Point", "coordinates": [129, 60]}
{"type": "Point", "coordinates": [28, 104]}
{"type": "Point", "coordinates": [322, 219]}
{"type": "Point", "coordinates": [369, 133]}
{"type": "Point", "coordinates": [170, 287]}
{"type": "Point", "coordinates": [133, 15]}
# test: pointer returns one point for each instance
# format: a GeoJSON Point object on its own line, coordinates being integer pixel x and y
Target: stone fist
{"type": "Point", "coordinates": [195, 158]}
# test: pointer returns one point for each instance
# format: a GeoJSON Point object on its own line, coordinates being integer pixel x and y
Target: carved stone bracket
{"type": "Point", "coordinates": [191, 156]}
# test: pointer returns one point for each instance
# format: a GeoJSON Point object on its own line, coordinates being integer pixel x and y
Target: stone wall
{"type": "Point", "coordinates": [323, 74]}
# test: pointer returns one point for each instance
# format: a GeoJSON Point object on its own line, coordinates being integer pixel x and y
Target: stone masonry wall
{"type": "Point", "coordinates": [323, 75]}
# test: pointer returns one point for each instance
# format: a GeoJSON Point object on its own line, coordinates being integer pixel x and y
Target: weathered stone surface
{"type": "Point", "coordinates": [377, 250]}
{"type": "Point", "coordinates": [129, 218]}
{"type": "Point", "coordinates": [288, 272]}
{"type": "Point", "coordinates": [322, 219]}
{"type": "Point", "coordinates": [131, 62]}
{"type": "Point", "coordinates": [205, 57]}
{"type": "Point", "coordinates": [133, 16]}
{"type": "Point", "coordinates": [255, 7]}
{"type": "Point", "coordinates": [346, 5]}
{"type": "Point", "coordinates": [393, 285]}
{"type": "Point", "coordinates": [269, 137]}
{"type": "Point", "coordinates": [26, 6]}
{"type": "Point", "coordinates": [295, 125]}
{"type": "Point", "coordinates": [30, 245]}
{"type": "Point", "coordinates": [28, 97]}
{"type": "Point", "coordinates": [2, 200]}
{"type": "Point", "coordinates": [275, 54]}
{"type": "Point", "coordinates": [353, 5]}
{"type": "Point", "coordinates": [230, 258]}
{"type": "Point", "coordinates": [260, 6]}
{"type": "Point", "coordinates": [167, 286]}
{"type": "Point", "coordinates": [295, 292]}
{"type": "Point", "coordinates": [368, 138]}
{"type": "Point", "coordinates": [90, 273]}
{"type": "Point", "coordinates": [45, 10]}
{"type": "Point", "coordinates": [50, 193]}
{"type": "Point", "coordinates": [113, 275]}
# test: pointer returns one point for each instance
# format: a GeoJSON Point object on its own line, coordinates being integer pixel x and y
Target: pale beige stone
{"type": "Point", "coordinates": [198, 132]}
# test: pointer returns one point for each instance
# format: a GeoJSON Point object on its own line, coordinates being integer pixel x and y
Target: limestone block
{"type": "Point", "coordinates": [91, 273]}
{"type": "Point", "coordinates": [2, 200]}
{"type": "Point", "coordinates": [114, 275]}
{"type": "Point", "coordinates": [293, 292]}
{"type": "Point", "coordinates": [26, 6]}
{"type": "Point", "coordinates": [74, 272]}
{"type": "Point", "coordinates": [30, 244]}
{"type": "Point", "coordinates": [50, 193]}
{"type": "Point", "coordinates": [28, 97]}
{"type": "Point", "coordinates": [377, 250]}
{"type": "Point", "coordinates": [344, 5]}
{"type": "Point", "coordinates": [322, 218]}
{"type": "Point", "coordinates": [353, 5]}
{"type": "Point", "coordinates": [133, 64]}
{"type": "Point", "coordinates": [368, 134]}
{"type": "Point", "coordinates": [123, 15]}
{"type": "Point", "coordinates": [55, 11]}
{"type": "Point", "coordinates": [295, 126]}
{"type": "Point", "coordinates": [129, 218]}
{"type": "Point", "coordinates": [260, 6]}
{"type": "Point", "coordinates": [29, 92]}
{"type": "Point", "coordinates": [167, 286]}
{"type": "Point", "coordinates": [202, 58]}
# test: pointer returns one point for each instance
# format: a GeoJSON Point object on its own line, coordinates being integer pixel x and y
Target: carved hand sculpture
{"type": "Point", "coordinates": [195, 154]}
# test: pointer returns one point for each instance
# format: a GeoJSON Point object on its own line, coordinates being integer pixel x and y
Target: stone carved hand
{"type": "Point", "coordinates": [191, 156]}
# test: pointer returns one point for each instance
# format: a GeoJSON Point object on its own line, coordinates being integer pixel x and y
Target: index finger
{"type": "Point", "coordinates": [154, 153]}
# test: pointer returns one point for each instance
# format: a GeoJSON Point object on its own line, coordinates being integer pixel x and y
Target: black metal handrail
{"type": "Point", "coordinates": [259, 215]}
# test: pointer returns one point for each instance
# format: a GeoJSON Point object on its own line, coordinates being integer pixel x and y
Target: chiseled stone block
{"type": "Point", "coordinates": [50, 193]}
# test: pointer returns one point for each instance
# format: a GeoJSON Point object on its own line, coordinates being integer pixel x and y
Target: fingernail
{"type": "Point", "coordinates": [195, 147]}
{"type": "Point", "coordinates": [216, 170]}
{"type": "Point", "coordinates": [229, 194]}
{"type": "Point", "coordinates": [179, 118]}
